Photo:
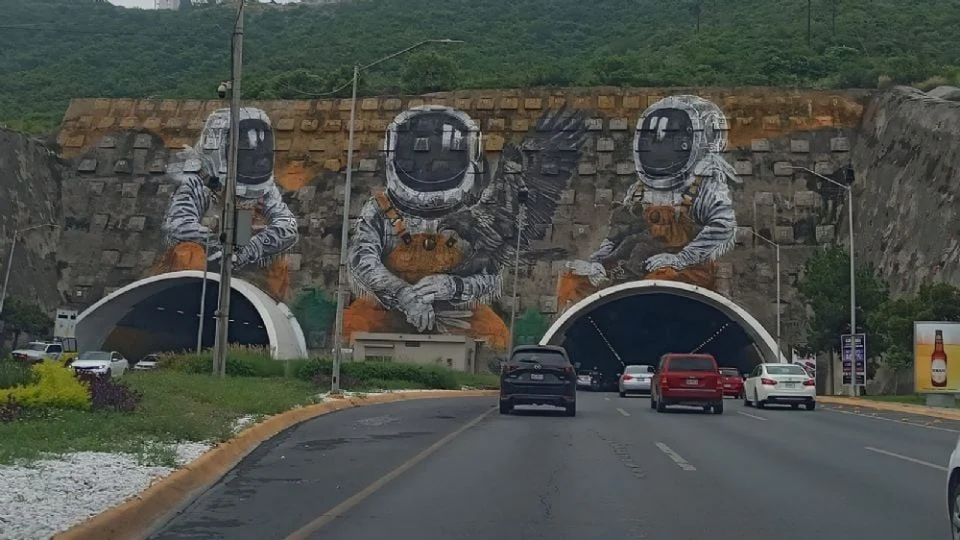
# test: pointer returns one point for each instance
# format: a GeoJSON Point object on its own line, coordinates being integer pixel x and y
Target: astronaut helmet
{"type": "Point", "coordinates": [255, 159]}
{"type": "Point", "coordinates": [673, 136]}
{"type": "Point", "coordinates": [432, 159]}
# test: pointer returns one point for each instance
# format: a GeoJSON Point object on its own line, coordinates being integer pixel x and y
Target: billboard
{"type": "Point", "coordinates": [853, 348]}
{"type": "Point", "coordinates": [936, 350]}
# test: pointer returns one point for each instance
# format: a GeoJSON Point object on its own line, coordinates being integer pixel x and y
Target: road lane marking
{"type": "Point", "coordinates": [623, 412]}
{"type": "Point", "coordinates": [682, 463]}
{"type": "Point", "coordinates": [907, 458]}
{"type": "Point", "coordinates": [751, 415]}
{"type": "Point", "coordinates": [337, 511]}
{"type": "Point", "coordinates": [937, 428]}
{"type": "Point", "coordinates": [606, 399]}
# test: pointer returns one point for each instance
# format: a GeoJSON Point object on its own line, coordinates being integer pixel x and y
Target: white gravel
{"type": "Point", "coordinates": [51, 495]}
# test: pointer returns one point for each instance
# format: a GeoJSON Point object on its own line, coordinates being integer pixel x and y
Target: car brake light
{"type": "Point", "coordinates": [768, 382]}
{"type": "Point", "coordinates": [809, 382]}
{"type": "Point", "coordinates": [568, 370]}
{"type": "Point", "coordinates": [627, 377]}
{"type": "Point", "coordinates": [507, 368]}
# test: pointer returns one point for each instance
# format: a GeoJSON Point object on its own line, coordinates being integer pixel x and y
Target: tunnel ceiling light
{"type": "Point", "coordinates": [711, 338]}
{"type": "Point", "coordinates": [606, 341]}
{"type": "Point", "coordinates": [180, 311]}
{"type": "Point", "coordinates": [160, 308]}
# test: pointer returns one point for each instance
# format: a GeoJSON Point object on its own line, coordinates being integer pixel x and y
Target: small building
{"type": "Point", "coordinates": [455, 352]}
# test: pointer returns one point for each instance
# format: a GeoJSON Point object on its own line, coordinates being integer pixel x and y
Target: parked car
{"type": "Point", "coordinates": [687, 379]}
{"type": "Point", "coordinates": [953, 491]}
{"type": "Point", "coordinates": [100, 363]}
{"type": "Point", "coordinates": [635, 379]}
{"type": "Point", "coordinates": [147, 363]}
{"type": "Point", "coordinates": [732, 382]}
{"type": "Point", "coordinates": [538, 375]}
{"type": "Point", "coordinates": [38, 351]}
{"type": "Point", "coordinates": [777, 383]}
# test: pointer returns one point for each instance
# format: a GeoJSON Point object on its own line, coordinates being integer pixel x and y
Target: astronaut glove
{"type": "Point", "coordinates": [438, 287]}
{"type": "Point", "coordinates": [594, 271]}
{"type": "Point", "coordinates": [664, 260]}
{"type": "Point", "coordinates": [417, 312]}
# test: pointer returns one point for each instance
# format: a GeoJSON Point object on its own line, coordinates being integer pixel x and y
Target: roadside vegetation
{"type": "Point", "coordinates": [55, 50]}
{"type": "Point", "coordinates": [44, 409]}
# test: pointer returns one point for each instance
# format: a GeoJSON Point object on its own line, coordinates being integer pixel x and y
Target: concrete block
{"type": "Point", "coordinates": [153, 123]}
{"type": "Point", "coordinates": [136, 223]}
{"type": "Point", "coordinates": [594, 124]}
{"type": "Point", "coordinates": [283, 144]}
{"type": "Point", "coordinates": [743, 167]}
{"type": "Point", "coordinates": [532, 103]}
{"type": "Point", "coordinates": [344, 105]}
{"type": "Point", "coordinates": [493, 143]}
{"type": "Point", "coordinates": [158, 166]}
{"type": "Point", "coordinates": [625, 168]}
{"type": "Point", "coordinates": [760, 145]}
{"type": "Point", "coordinates": [799, 146]}
{"type": "Point", "coordinates": [166, 190]}
{"type": "Point", "coordinates": [369, 104]}
{"type": "Point", "coordinates": [519, 125]}
{"type": "Point", "coordinates": [619, 124]}
{"type": "Point", "coordinates": [286, 124]}
{"type": "Point", "coordinates": [128, 122]}
{"type": "Point", "coordinates": [107, 142]}
{"type": "Point", "coordinates": [606, 102]}
{"type": "Point", "coordinates": [485, 104]}
{"type": "Point", "coordinates": [631, 102]}
{"type": "Point", "coordinates": [146, 258]}
{"type": "Point", "coordinates": [783, 235]}
{"type": "Point", "coordinates": [567, 196]}
{"type": "Point", "coordinates": [839, 144]}
{"type": "Point", "coordinates": [549, 169]}
{"type": "Point", "coordinates": [548, 304]}
{"type": "Point", "coordinates": [106, 122]}
{"type": "Point", "coordinates": [95, 188]}
{"type": "Point", "coordinates": [330, 260]}
{"type": "Point", "coordinates": [123, 166]}
{"type": "Point", "coordinates": [368, 165]}
{"type": "Point", "coordinates": [558, 267]}
{"type": "Point", "coordinates": [587, 169]}
{"type": "Point", "coordinates": [129, 190]}
{"type": "Point", "coordinates": [725, 270]}
{"type": "Point", "coordinates": [744, 235]}
{"type": "Point", "coordinates": [496, 124]}
{"type": "Point", "coordinates": [823, 167]}
{"type": "Point", "coordinates": [771, 123]}
{"type": "Point", "coordinates": [174, 123]}
{"type": "Point", "coordinates": [605, 144]}
{"type": "Point", "coordinates": [87, 165]}
{"type": "Point", "coordinates": [110, 257]}
{"type": "Point", "coordinates": [307, 193]}
{"type": "Point", "coordinates": [581, 230]}
{"type": "Point", "coordinates": [392, 104]}
{"type": "Point", "coordinates": [806, 199]}
{"type": "Point", "coordinates": [763, 198]}
{"type": "Point", "coordinates": [294, 261]}
{"type": "Point", "coordinates": [509, 103]}
{"type": "Point", "coordinates": [603, 197]}
{"type": "Point", "coordinates": [783, 168]}
{"type": "Point", "coordinates": [825, 234]}
{"type": "Point", "coordinates": [128, 260]}
{"type": "Point", "coordinates": [99, 222]}
{"type": "Point", "coordinates": [142, 141]}
{"type": "Point", "coordinates": [308, 125]}
{"type": "Point", "coordinates": [332, 125]}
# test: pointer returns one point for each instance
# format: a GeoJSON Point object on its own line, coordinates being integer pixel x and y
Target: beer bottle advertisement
{"type": "Point", "coordinates": [936, 353]}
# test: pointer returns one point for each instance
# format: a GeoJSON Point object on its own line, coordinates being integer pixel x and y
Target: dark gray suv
{"type": "Point", "coordinates": [538, 375]}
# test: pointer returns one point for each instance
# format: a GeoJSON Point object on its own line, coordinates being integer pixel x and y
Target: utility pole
{"type": "Point", "coordinates": [522, 196]}
{"type": "Point", "coordinates": [228, 227]}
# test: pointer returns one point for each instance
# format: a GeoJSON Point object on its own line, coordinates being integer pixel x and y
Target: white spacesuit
{"type": "Point", "coordinates": [201, 172]}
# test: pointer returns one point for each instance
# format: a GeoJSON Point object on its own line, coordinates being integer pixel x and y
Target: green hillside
{"type": "Point", "coordinates": [53, 50]}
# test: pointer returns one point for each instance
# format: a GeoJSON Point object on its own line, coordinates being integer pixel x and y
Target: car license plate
{"type": "Point", "coordinates": [789, 385]}
{"type": "Point", "coordinates": [726, 386]}
{"type": "Point", "coordinates": [692, 382]}
{"type": "Point", "coordinates": [536, 376]}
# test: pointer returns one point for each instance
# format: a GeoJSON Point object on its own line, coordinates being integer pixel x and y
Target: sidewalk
{"type": "Point", "coordinates": [906, 408]}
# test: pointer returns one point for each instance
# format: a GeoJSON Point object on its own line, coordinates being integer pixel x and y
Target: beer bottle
{"type": "Point", "coordinates": [938, 362]}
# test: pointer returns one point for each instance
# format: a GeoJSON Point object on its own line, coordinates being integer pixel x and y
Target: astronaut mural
{"type": "Point", "coordinates": [199, 172]}
{"type": "Point", "coordinates": [428, 251]}
{"type": "Point", "coordinates": [678, 217]}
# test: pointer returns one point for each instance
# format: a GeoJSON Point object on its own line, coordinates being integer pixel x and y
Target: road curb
{"type": "Point", "coordinates": [137, 516]}
{"type": "Point", "coordinates": [906, 408]}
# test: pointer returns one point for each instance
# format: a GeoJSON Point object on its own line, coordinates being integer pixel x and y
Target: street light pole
{"type": "Point", "coordinates": [13, 246]}
{"type": "Point", "coordinates": [853, 276]}
{"type": "Point", "coordinates": [522, 196]}
{"type": "Point", "coordinates": [203, 297]}
{"type": "Point", "coordinates": [342, 291]}
{"type": "Point", "coordinates": [777, 246]}
{"type": "Point", "coordinates": [228, 227]}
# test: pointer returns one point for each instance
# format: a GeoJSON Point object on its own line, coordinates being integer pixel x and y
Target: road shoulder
{"type": "Point", "coordinates": [906, 408]}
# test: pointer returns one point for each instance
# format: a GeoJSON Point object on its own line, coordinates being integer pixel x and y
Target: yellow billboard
{"type": "Point", "coordinates": [936, 357]}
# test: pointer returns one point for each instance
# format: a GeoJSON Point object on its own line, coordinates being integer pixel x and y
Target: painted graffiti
{"type": "Point", "coordinates": [428, 251]}
{"type": "Point", "coordinates": [200, 172]}
{"type": "Point", "coordinates": [677, 218]}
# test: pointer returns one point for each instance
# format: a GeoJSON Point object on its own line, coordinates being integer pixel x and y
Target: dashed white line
{"type": "Point", "coordinates": [895, 421]}
{"type": "Point", "coordinates": [907, 458]}
{"type": "Point", "coordinates": [606, 399]}
{"type": "Point", "coordinates": [623, 412]}
{"type": "Point", "coordinates": [682, 463]}
{"type": "Point", "coordinates": [751, 415]}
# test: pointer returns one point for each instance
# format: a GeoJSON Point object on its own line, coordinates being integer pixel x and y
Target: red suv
{"type": "Point", "coordinates": [687, 379]}
{"type": "Point", "coordinates": [732, 382]}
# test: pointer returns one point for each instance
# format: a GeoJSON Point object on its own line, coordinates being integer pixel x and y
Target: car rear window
{"type": "Point", "coordinates": [638, 369]}
{"type": "Point", "coordinates": [691, 363]}
{"type": "Point", "coordinates": [547, 358]}
{"type": "Point", "coordinates": [727, 372]}
{"type": "Point", "coordinates": [786, 369]}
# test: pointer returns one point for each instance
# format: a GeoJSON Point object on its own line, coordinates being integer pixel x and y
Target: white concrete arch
{"type": "Point", "coordinates": [96, 322]}
{"type": "Point", "coordinates": [766, 344]}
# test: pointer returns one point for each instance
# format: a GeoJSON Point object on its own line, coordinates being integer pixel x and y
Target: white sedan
{"type": "Point", "coordinates": [101, 363]}
{"type": "Point", "coordinates": [780, 383]}
{"type": "Point", "coordinates": [635, 379]}
{"type": "Point", "coordinates": [953, 491]}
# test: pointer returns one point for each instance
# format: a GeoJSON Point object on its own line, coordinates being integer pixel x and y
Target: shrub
{"type": "Point", "coordinates": [56, 387]}
{"type": "Point", "coordinates": [106, 394]}
{"type": "Point", "coordinates": [241, 362]}
{"type": "Point", "coordinates": [436, 377]}
{"type": "Point", "coordinates": [14, 374]}
{"type": "Point", "coordinates": [10, 410]}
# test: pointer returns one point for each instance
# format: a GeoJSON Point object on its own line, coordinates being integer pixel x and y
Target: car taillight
{"type": "Point", "coordinates": [809, 382]}
{"type": "Point", "coordinates": [627, 377]}
{"type": "Point", "coordinates": [768, 382]}
{"type": "Point", "coordinates": [568, 370]}
{"type": "Point", "coordinates": [507, 368]}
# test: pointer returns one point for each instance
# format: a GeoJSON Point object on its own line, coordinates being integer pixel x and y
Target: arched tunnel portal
{"type": "Point", "coordinates": [637, 322]}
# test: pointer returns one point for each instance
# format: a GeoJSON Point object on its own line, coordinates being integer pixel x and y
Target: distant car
{"type": "Point", "coordinates": [777, 383]}
{"type": "Point", "coordinates": [732, 382]}
{"type": "Point", "coordinates": [147, 363]}
{"type": "Point", "coordinates": [100, 363]}
{"type": "Point", "coordinates": [538, 375]}
{"type": "Point", "coordinates": [953, 491]}
{"type": "Point", "coordinates": [584, 380]}
{"type": "Point", "coordinates": [635, 379]}
{"type": "Point", "coordinates": [687, 379]}
{"type": "Point", "coordinates": [38, 351]}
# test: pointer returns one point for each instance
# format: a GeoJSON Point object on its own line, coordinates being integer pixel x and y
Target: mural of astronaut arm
{"type": "Point", "coordinates": [280, 233]}
{"type": "Point", "coordinates": [183, 229]}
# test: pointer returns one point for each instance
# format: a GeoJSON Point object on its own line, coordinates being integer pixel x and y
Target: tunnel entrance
{"type": "Point", "coordinates": [637, 322]}
{"type": "Point", "coordinates": [161, 313]}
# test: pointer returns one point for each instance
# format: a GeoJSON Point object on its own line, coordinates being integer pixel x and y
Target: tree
{"type": "Point", "coordinates": [826, 287]}
{"type": "Point", "coordinates": [21, 317]}
{"type": "Point", "coordinates": [428, 72]}
{"type": "Point", "coordinates": [315, 312]}
{"type": "Point", "coordinates": [530, 327]}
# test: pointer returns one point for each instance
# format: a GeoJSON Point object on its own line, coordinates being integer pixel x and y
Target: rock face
{"type": "Point", "coordinates": [907, 159]}
{"type": "Point", "coordinates": [949, 93]}
{"type": "Point", "coordinates": [30, 180]}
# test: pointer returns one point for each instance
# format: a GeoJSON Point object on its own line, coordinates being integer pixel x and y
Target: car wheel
{"type": "Point", "coordinates": [813, 405]}
{"type": "Point", "coordinates": [746, 402]}
{"type": "Point", "coordinates": [794, 406]}
{"type": "Point", "coordinates": [718, 408]}
{"type": "Point", "coordinates": [571, 410]}
{"type": "Point", "coordinates": [623, 394]}
{"type": "Point", "coordinates": [757, 402]}
{"type": "Point", "coordinates": [661, 407]}
{"type": "Point", "coordinates": [505, 408]}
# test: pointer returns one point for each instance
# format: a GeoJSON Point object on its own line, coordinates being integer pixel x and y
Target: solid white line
{"type": "Point", "coordinates": [623, 412]}
{"type": "Point", "coordinates": [606, 399]}
{"type": "Point", "coordinates": [751, 415]}
{"type": "Point", "coordinates": [895, 421]}
{"type": "Point", "coordinates": [906, 458]}
{"type": "Point", "coordinates": [682, 463]}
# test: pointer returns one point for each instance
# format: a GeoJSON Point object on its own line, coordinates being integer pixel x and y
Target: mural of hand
{"type": "Point", "coordinates": [437, 287]}
{"type": "Point", "coordinates": [664, 260]}
{"type": "Point", "coordinates": [592, 270]}
{"type": "Point", "coordinates": [417, 312]}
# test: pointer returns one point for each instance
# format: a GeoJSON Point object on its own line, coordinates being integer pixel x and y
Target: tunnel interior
{"type": "Point", "coordinates": [167, 321]}
{"type": "Point", "coordinates": [638, 329]}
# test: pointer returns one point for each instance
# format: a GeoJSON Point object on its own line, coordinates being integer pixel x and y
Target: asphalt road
{"type": "Point", "coordinates": [618, 470]}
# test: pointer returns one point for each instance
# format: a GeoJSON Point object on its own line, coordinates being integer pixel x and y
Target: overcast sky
{"type": "Point", "coordinates": [148, 4]}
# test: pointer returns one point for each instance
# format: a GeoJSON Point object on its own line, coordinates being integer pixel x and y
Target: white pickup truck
{"type": "Point", "coordinates": [38, 351]}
